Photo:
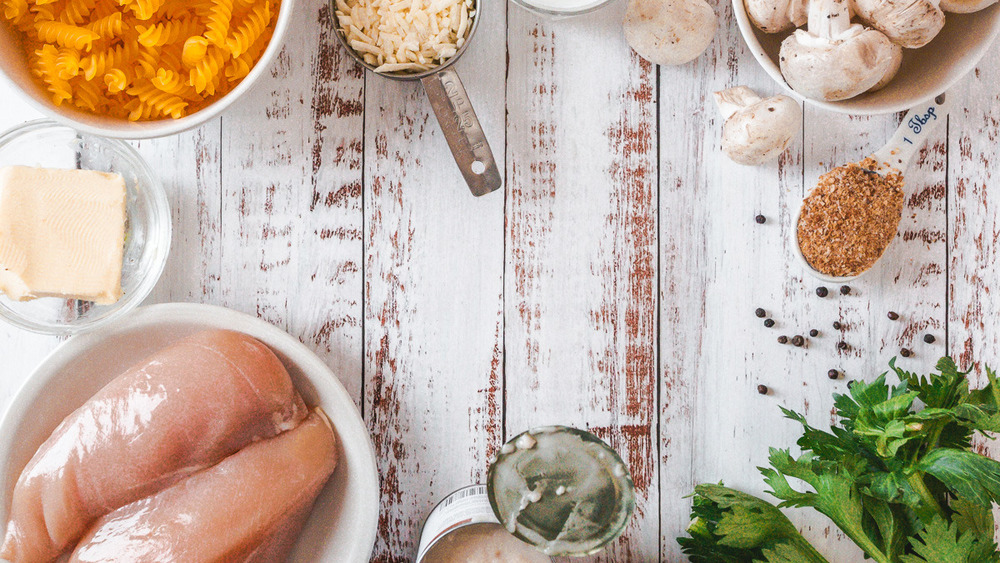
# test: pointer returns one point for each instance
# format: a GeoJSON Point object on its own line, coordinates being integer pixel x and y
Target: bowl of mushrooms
{"type": "Point", "coordinates": [868, 57]}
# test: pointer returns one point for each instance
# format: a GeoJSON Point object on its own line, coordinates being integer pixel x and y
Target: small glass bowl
{"type": "Point", "coordinates": [554, 11]}
{"type": "Point", "coordinates": [45, 143]}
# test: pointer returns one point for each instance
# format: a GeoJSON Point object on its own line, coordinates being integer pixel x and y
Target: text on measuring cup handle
{"type": "Point", "coordinates": [917, 122]}
{"type": "Point", "coordinates": [464, 116]}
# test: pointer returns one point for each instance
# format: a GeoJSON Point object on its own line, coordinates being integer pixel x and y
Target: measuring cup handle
{"type": "Point", "coordinates": [918, 125]}
{"type": "Point", "coordinates": [462, 130]}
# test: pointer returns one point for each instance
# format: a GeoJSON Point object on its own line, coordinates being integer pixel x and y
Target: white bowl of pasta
{"type": "Point", "coordinates": [138, 69]}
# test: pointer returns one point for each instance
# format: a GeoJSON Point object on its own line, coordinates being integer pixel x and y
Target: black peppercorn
{"type": "Point", "coordinates": [782, 340]}
{"type": "Point", "coordinates": [760, 219]}
{"type": "Point", "coordinates": [929, 338]}
{"type": "Point", "coordinates": [761, 313]}
{"type": "Point", "coordinates": [905, 352]}
{"type": "Point", "coordinates": [851, 383]}
{"type": "Point", "coordinates": [798, 340]}
{"type": "Point", "coordinates": [822, 291]}
{"type": "Point", "coordinates": [762, 389]}
{"type": "Point", "coordinates": [845, 290]}
{"type": "Point", "coordinates": [893, 315]}
{"type": "Point", "coordinates": [833, 374]}
{"type": "Point", "coordinates": [769, 323]}
{"type": "Point", "coordinates": [837, 325]}
{"type": "Point", "coordinates": [843, 345]}
{"type": "Point", "coordinates": [814, 333]}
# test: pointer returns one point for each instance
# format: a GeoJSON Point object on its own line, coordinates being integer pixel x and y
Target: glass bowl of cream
{"type": "Point", "coordinates": [42, 229]}
{"type": "Point", "coordinates": [561, 8]}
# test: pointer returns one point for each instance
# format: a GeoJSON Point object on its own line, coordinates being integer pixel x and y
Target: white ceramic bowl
{"type": "Point", "coordinates": [14, 68]}
{"type": "Point", "coordinates": [925, 73]}
{"type": "Point", "coordinates": [343, 522]}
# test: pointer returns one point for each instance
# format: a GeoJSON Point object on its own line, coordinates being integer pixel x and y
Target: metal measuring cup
{"type": "Point", "coordinates": [453, 110]}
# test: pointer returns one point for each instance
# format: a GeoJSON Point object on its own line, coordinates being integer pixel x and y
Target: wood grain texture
{"type": "Point", "coordinates": [718, 266]}
{"type": "Point", "coordinates": [194, 270]}
{"type": "Point", "coordinates": [433, 296]}
{"type": "Point", "coordinates": [611, 285]}
{"type": "Point", "coordinates": [581, 240]}
{"type": "Point", "coordinates": [291, 195]}
{"type": "Point", "coordinates": [973, 336]}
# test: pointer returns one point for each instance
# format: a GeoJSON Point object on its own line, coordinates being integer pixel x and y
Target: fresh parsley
{"type": "Point", "coordinates": [897, 475]}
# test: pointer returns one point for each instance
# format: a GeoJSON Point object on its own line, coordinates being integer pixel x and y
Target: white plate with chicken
{"type": "Point", "coordinates": [186, 433]}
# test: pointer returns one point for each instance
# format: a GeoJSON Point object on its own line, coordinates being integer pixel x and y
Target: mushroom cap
{"type": "Point", "coordinates": [897, 61]}
{"type": "Point", "coordinates": [757, 131]}
{"type": "Point", "coordinates": [838, 69]}
{"type": "Point", "coordinates": [965, 6]}
{"type": "Point", "coordinates": [907, 23]}
{"type": "Point", "coordinates": [669, 32]}
{"type": "Point", "coordinates": [775, 16]}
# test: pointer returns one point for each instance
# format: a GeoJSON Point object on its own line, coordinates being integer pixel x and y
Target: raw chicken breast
{"type": "Point", "coordinates": [236, 511]}
{"type": "Point", "coordinates": [185, 408]}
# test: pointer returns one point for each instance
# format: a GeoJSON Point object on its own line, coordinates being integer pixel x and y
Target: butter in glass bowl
{"type": "Point", "coordinates": [109, 280]}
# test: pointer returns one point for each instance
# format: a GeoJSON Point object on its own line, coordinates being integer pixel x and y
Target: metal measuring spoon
{"type": "Point", "coordinates": [917, 126]}
{"type": "Point", "coordinates": [453, 110]}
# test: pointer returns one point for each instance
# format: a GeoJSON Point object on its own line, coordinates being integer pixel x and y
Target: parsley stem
{"type": "Point", "coordinates": [916, 480]}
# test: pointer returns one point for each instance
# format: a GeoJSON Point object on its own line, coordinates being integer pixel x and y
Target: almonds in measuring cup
{"type": "Point", "coordinates": [850, 218]}
{"type": "Point", "coordinates": [405, 35]}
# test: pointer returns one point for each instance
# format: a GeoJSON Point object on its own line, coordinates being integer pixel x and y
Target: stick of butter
{"type": "Point", "coordinates": [62, 234]}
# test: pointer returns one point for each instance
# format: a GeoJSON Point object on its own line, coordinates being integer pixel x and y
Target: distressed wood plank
{"type": "Point", "coordinates": [973, 337]}
{"type": "Point", "coordinates": [190, 167]}
{"type": "Point", "coordinates": [433, 296]}
{"type": "Point", "coordinates": [718, 265]}
{"type": "Point", "coordinates": [581, 239]}
{"type": "Point", "coordinates": [291, 201]}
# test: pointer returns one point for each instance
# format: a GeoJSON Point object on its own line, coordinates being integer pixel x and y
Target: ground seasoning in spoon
{"type": "Point", "coordinates": [850, 218]}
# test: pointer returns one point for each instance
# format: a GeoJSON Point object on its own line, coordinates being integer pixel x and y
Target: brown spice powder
{"type": "Point", "coordinates": [850, 218]}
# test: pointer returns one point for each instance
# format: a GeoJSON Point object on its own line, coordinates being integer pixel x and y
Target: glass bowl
{"type": "Point", "coordinates": [45, 143]}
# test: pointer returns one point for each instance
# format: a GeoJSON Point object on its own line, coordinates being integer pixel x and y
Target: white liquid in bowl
{"type": "Point", "coordinates": [562, 7]}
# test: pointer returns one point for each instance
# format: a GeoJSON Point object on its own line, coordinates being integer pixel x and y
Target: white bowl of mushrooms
{"type": "Point", "coordinates": [868, 56]}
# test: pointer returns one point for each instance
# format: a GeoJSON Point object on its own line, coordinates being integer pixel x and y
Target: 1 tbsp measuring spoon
{"type": "Point", "coordinates": [453, 110]}
{"type": "Point", "coordinates": [918, 125]}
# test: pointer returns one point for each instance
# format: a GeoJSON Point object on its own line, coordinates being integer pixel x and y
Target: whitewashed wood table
{"type": "Point", "coordinates": [611, 285]}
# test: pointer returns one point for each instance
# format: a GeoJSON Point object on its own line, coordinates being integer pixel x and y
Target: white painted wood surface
{"type": "Point", "coordinates": [611, 284]}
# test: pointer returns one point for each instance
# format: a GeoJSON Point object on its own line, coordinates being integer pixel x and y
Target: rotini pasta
{"type": "Point", "coordinates": [14, 10]}
{"type": "Point", "coordinates": [206, 75]}
{"type": "Point", "coordinates": [67, 63]}
{"type": "Point", "coordinates": [140, 59]}
{"type": "Point", "coordinates": [218, 21]}
{"type": "Point", "coordinates": [115, 80]}
{"type": "Point", "coordinates": [145, 9]}
{"type": "Point", "coordinates": [76, 12]}
{"type": "Point", "coordinates": [252, 27]}
{"type": "Point", "coordinates": [194, 50]}
{"type": "Point", "coordinates": [168, 32]}
{"type": "Point", "coordinates": [109, 26]}
{"type": "Point", "coordinates": [66, 35]}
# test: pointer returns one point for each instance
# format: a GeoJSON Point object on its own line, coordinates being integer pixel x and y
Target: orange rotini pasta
{"type": "Point", "coordinates": [141, 59]}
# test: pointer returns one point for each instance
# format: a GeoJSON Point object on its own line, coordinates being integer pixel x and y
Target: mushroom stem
{"type": "Point", "coordinates": [829, 19]}
{"type": "Point", "coordinates": [735, 99]}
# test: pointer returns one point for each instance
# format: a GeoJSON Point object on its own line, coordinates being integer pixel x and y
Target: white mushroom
{"type": "Point", "coordinates": [834, 59]}
{"type": "Point", "coordinates": [965, 6]}
{"type": "Point", "coordinates": [897, 61]}
{"type": "Point", "coordinates": [775, 16]}
{"type": "Point", "coordinates": [757, 130]}
{"type": "Point", "coordinates": [669, 32]}
{"type": "Point", "coordinates": [907, 23]}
